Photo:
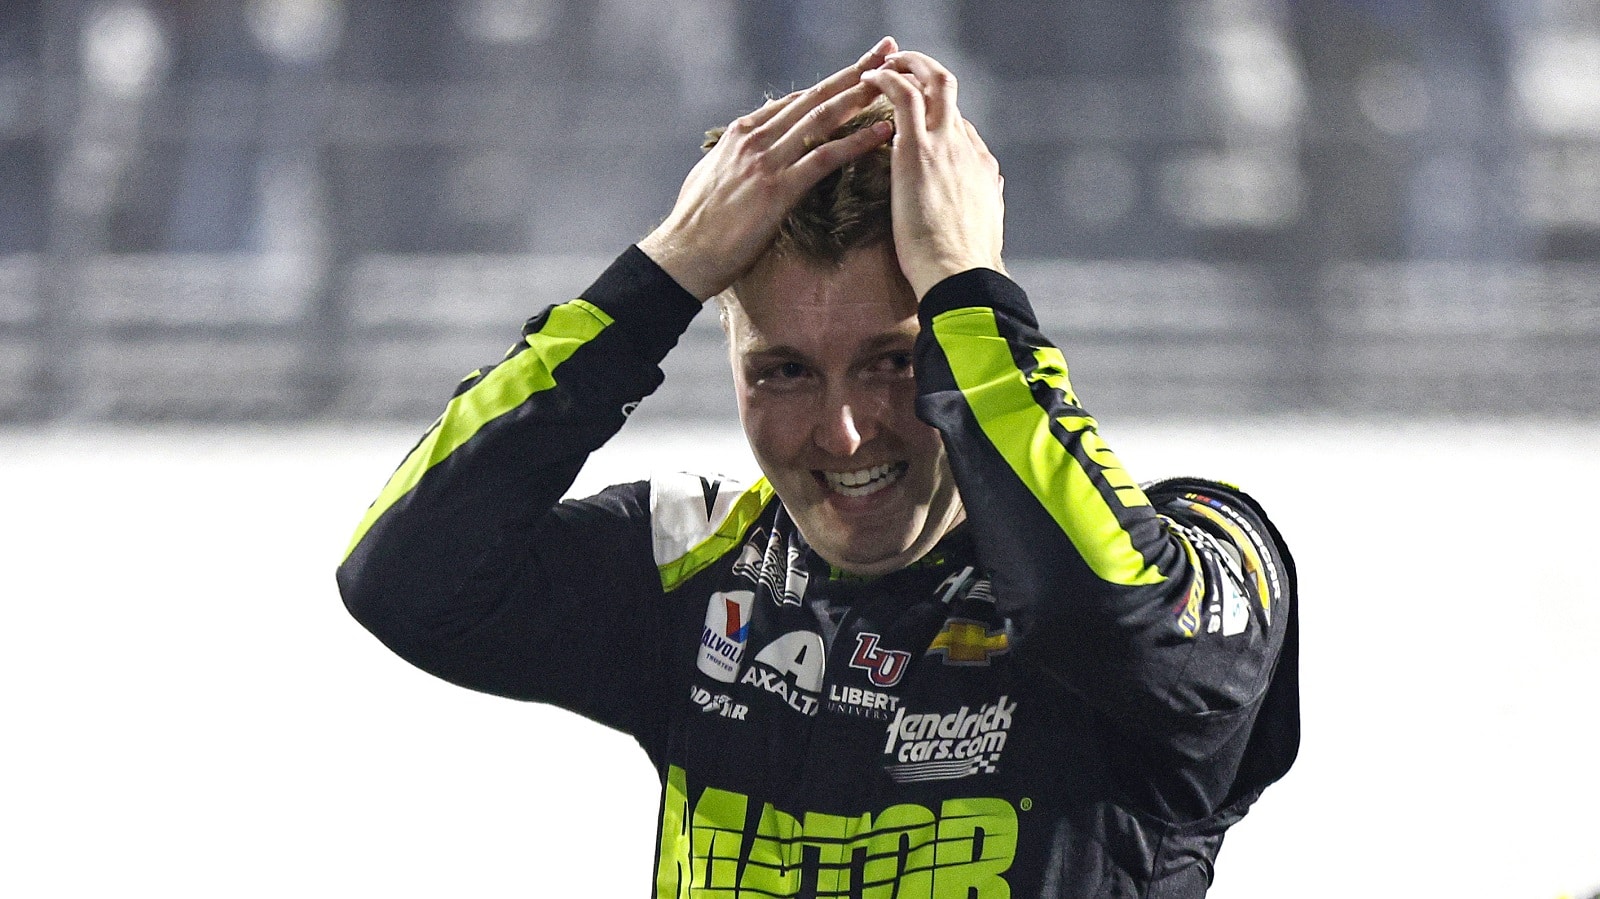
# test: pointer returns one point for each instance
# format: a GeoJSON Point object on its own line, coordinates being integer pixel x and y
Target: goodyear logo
{"type": "Point", "coordinates": [710, 849]}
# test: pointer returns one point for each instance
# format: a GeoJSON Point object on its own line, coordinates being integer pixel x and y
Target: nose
{"type": "Point", "coordinates": [844, 424]}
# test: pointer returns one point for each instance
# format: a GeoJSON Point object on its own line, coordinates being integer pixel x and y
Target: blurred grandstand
{"type": "Point", "coordinates": [332, 209]}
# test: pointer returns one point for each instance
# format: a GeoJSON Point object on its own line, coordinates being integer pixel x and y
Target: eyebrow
{"type": "Point", "coordinates": [874, 344]}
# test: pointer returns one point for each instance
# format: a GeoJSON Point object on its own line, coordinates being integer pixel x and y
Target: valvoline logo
{"type": "Point", "coordinates": [736, 628]}
{"type": "Point", "coordinates": [722, 639]}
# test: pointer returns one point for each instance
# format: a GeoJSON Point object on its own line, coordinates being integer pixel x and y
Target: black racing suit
{"type": "Point", "coordinates": [1073, 694]}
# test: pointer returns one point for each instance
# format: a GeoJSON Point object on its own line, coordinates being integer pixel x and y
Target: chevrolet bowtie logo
{"type": "Point", "coordinates": [964, 642]}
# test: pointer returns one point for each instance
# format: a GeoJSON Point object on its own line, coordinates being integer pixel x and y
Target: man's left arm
{"type": "Point", "coordinates": [1167, 607]}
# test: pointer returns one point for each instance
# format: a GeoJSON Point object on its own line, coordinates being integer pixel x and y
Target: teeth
{"type": "Point", "coordinates": [865, 482]}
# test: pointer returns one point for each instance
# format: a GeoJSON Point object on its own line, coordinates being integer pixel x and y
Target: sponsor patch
{"type": "Point", "coordinates": [776, 566]}
{"type": "Point", "coordinates": [956, 585]}
{"type": "Point", "coordinates": [966, 642]}
{"type": "Point", "coordinates": [1186, 613]}
{"type": "Point", "coordinates": [790, 668]}
{"type": "Point", "coordinates": [717, 842]}
{"type": "Point", "coordinates": [975, 632]}
{"type": "Point", "coordinates": [884, 667]}
{"type": "Point", "coordinates": [861, 702]}
{"type": "Point", "coordinates": [1257, 560]}
{"type": "Point", "coordinates": [949, 746]}
{"type": "Point", "coordinates": [722, 639]}
{"type": "Point", "coordinates": [1235, 611]}
{"type": "Point", "coordinates": [719, 703]}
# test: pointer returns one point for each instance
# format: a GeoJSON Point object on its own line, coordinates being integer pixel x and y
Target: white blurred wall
{"type": "Point", "coordinates": [189, 712]}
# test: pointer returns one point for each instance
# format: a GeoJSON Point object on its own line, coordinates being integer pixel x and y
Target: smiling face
{"type": "Point", "coordinates": [822, 368]}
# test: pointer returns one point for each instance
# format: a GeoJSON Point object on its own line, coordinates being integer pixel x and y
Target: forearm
{"type": "Point", "coordinates": [506, 448]}
{"type": "Point", "coordinates": [1111, 591]}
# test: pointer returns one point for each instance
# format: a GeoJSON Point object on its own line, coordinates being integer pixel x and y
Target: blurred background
{"type": "Point", "coordinates": [330, 210]}
{"type": "Point", "coordinates": [1344, 252]}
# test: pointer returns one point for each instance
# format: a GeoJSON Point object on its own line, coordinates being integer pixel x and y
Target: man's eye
{"type": "Point", "coordinates": [781, 374]}
{"type": "Point", "coordinates": [893, 364]}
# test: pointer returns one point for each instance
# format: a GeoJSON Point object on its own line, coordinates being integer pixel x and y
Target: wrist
{"type": "Point", "coordinates": [924, 278]}
{"type": "Point", "coordinates": [680, 262]}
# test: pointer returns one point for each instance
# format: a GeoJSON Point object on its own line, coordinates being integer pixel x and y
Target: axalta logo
{"type": "Point", "coordinates": [722, 639]}
{"type": "Point", "coordinates": [790, 667]}
{"type": "Point", "coordinates": [716, 847]}
{"type": "Point", "coordinates": [933, 746]}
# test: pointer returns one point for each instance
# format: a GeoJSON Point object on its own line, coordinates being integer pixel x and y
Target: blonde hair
{"type": "Point", "coordinates": [845, 211]}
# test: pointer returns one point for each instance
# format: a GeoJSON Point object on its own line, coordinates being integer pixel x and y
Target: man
{"type": "Point", "coordinates": [946, 647]}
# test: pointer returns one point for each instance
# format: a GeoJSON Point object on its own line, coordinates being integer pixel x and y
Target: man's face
{"type": "Point", "coordinates": [822, 368]}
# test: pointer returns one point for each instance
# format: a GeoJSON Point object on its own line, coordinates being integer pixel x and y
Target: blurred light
{"type": "Point", "coordinates": [124, 52]}
{"type": "Point", "coordinates": [508, 22]}
{"type": "Point", "coordinates": [297, 31]}
{"type": "Point", "coordinates": [1394, 98]}
{"type": "Point", "coordinates": [1098, 187]}
{"type": "Point", "coordinates": [19, 274]}
{"type": "Point", "coordinates": [1559, 80]}
{"type": "Point", "coordinates": [291, 220]}
{"type": "Point", "coordinates": [1243, 60]}
{"type": "Point", "coordinates": [1261, 83]}
{"type": "Point", "coordinates": [13, 94]}
{"type": "Point", "coordinates": [1233, 189]}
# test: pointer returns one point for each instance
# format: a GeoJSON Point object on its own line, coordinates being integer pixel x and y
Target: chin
{"type": "Point", "coordinates": [872, 558]}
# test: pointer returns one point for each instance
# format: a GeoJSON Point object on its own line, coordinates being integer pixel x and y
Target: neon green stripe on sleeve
{"type": "Point", "coordinates": [507, 386]}
{"type": "Point", "coordinates": [1019, 428]}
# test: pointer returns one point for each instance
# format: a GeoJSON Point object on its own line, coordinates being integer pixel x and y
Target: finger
{"type": "Point", "coordinates": [829, 87]}
{"type": "Point", "coordinates": [762, 114]}
{"type": "Point", "coordinates": [908, 101]}
{"type": "Point", "coordinates": [816, 165]}
{"type": "Point", "coordinates": [938, 84]}
{"type": "Point", "coordinates": [816, 127]}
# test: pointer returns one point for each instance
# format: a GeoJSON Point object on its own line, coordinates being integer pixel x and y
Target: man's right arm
{"type": "Point", "coordinates": [466, 565]}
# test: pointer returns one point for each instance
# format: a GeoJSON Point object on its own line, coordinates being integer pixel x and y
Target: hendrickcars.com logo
{"type": "Point", "coordinates": [934, 746]}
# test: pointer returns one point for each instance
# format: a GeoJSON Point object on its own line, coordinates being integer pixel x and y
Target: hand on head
{"type": "Point", "coordinates": [948, 205]}
{"type": "Point", "coordinates": [733, 200]}
{"type": "Point", "coordinates": [947, 209]}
